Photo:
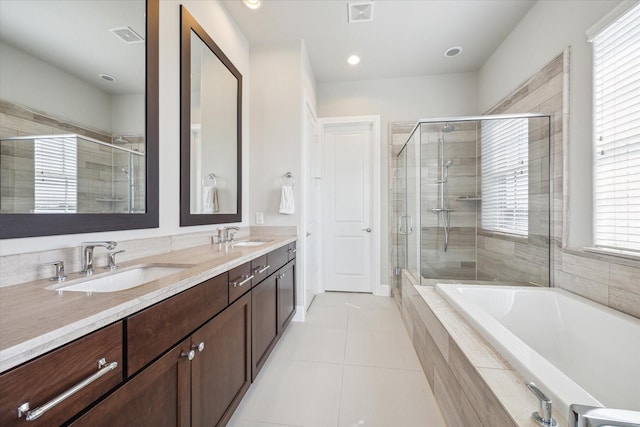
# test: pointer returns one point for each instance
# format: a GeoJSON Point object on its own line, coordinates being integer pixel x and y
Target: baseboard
{"type": "Point", "coordinates": [382, 291]}
{"type": "Point", "coordinates": [300, 315]}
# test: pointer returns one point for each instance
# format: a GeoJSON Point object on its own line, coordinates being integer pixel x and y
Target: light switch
{"type": "Point", "coordinates": [259, 218]}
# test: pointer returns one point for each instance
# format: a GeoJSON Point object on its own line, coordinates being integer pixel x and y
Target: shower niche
{"type": "Point", "coordinates": [472, 200]}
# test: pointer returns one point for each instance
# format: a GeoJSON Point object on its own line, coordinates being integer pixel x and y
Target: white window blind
{"type": "Point", "coordinates": [616, 99]}
{"type": "Point", "coordinates": [56, 180]}
{"type": "Point", "coordinates": [505, 175]}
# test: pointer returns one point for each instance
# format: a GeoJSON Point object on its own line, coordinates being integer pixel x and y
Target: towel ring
{"type": "Point", "coordinates": [209, 180]}
{"type": "Point", "coordinates": [288, 179]}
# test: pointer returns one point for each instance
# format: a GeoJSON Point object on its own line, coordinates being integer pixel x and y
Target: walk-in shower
{"type": "Point", "coordinates": [472, 200]}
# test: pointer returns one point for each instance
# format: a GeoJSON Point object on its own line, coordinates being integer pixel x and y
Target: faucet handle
{"type": "Point", "coordinates": [543, 417]}
{"type": "Point", "coordinates": [112, 260]}
{"type": "Point", "coordinates": [60, 275]}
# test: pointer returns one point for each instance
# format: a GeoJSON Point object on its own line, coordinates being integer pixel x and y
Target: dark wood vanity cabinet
{"type": "Point", "coordinates": [264, 321]}
{"type": "Point", "coordinates": [286, 285]}
{"type": "Point", "coordinates": [158, 396]}
{"type": "Point", "coordinates": [221, 372]}
{"type": "Point", "coordinates": [274, 305]}
{"type": "Point", "coordinates": [185, 361]}
{"type": "Point", "coordinates": [46, 377]}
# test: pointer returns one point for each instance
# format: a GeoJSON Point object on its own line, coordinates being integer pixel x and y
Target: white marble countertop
{"type": "Point", "coordinates": [35, 320]}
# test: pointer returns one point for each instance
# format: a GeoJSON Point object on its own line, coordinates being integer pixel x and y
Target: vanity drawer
{"type": "Point", "coordinates": [154, 330]}
{"type": "Point", "coordinates": [278, 258]}
{"type": "Point", "coordinates": [239, 281]}
{"type": "Point", "coordinates": [45, 378]}
{"type": "Point", "coordinates": [260, 269]}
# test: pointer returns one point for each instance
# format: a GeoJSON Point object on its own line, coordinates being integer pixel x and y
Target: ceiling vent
{"type": "Point", "coordinates": [361, 11]}
{"type": "Point", "coordinates": [127, 35]}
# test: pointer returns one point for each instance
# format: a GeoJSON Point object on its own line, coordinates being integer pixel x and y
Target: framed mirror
{"type": "Point", "coordinates": [79, 109]}
{"type": "Point", "coordinates": [210, 129]}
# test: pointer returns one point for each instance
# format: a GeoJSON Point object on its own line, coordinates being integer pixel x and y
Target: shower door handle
{"type": "Point", "coordinates": [368, 229]}
{"type": "Point", "coordinates": [406, 225]}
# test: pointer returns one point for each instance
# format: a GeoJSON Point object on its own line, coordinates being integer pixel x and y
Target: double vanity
{"type": "Point", "coordinates": [179, 346]}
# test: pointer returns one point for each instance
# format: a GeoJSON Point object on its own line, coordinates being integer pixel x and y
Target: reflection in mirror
{"type": "Point", "coordinates": [214, 92]}
{"type": "Point", "coordinates": [70, 174]}
{"type": "Point", "coordinates": [210, 130]}
{"type": "Point", "coordinates": [79, 116]}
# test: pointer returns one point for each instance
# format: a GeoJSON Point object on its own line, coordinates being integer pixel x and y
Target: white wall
{"type": "Point", "coordinates": [59, 93]}
{"type": "Point", "coordinates": [282, 75]}
{"type": "Point", "coordinates": [404, 99]}
{"type": "Point", "coordinates": [128, 114]}
{"type": "Point", "coordinates": [548, 28]}
{"type": "Point", "coordinates": [213, 16]}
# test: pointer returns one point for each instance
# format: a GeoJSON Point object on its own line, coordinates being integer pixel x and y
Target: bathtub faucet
{"type": "Point", "coordinates": [543, 417]}
{"type": "Point", "coordinates": [592, 416]}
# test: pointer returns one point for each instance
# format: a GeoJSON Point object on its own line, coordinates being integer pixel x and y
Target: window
{"type": "Point", "coordinates": [616, 131]}
{"type": "Point", "coordinates": [505, 176]}
{"type": "Point", "coordinates": [56, 181]}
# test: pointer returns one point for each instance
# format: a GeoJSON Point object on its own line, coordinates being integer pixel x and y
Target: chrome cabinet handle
{"type": "Point", "coordinates": [368, 229]}
{"type": "Point", "coordinates": [246, 279]}
{"type": "Point", "coordinates": [260, 270]}
{"type": "Point", "coordinates": [30, 415]}
{"type": "Point", "coordinates": [199, 347]}
{"type": "Point", "coordinates": [292, 251]}
{"type": "Point", "coordinates": [188, 354]}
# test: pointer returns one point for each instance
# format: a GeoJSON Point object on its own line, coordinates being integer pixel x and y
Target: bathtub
{"type": "Point", "coordinates": [576, 351]}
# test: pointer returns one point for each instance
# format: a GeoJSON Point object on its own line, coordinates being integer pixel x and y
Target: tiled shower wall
{"type": "Point", "coordinates": [472, 253]}
{"type": "Point", "coordinates": [459, 260]}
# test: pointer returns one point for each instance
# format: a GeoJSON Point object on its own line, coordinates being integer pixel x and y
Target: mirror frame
{"type": "Point", "coordinates": [188, 24]}
{"type": "Point", "coordinates": [32, 225]}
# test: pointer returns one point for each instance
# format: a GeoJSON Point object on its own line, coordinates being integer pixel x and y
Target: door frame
{"type": "Point", "coordinates": [301, 270]}
{"type": "Point", "coordinates": [377, 288]}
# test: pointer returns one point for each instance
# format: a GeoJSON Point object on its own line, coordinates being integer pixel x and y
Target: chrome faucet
{"type": "Point", "coordinates": [543, 417]}
{"type": "Point", "coordinates": [592, 416]}
{"type": "Point", "coordinates": [87, 254]}
{"type": "Point", "coordinates": [228, 233]}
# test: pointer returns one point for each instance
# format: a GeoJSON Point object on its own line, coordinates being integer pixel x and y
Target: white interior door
{"type": "Point", "coordinates": [312, 210]}
{"type": "Point", "coordinates": [347, 207]}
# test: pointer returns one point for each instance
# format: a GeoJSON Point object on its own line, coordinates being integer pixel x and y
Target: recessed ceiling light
{"type": "Point", "coordinates": [252, 4]}
{"type": "Point", "coordinates": [453, 51]}
{"type": "Point", "coordinates": [108, 78]}
{"type": "Point", "coordinates": [353, 59]}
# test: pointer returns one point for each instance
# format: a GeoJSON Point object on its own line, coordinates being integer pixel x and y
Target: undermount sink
{"type": "Point", "coordinates": [250, 243]}
{"type": "Point", "coordinates": [120, 280]}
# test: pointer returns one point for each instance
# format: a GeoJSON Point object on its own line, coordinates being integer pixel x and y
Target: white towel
{"type": "Point", "coordinates": [287, 205]}
{"type": "Point", "coordinates": [209, 199]}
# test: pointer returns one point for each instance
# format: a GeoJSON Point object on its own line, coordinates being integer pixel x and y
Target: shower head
{"type": "Point", "coordinates": [121, 140]}
{"type": "Point", "coordinates": [448, 127]}
{"type": "Point", "coordinates": [448, 163]}
{"type": "Point", "coordinates": [126, 172]}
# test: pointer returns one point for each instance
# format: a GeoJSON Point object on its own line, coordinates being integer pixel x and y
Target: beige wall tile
{"type": "Point", "coordinates": [595, 291]}
{"type": "Point", "coordinates": [627, 302]}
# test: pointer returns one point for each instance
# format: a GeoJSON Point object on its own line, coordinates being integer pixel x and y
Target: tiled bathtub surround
{"type": "Point", "coordinates": [607, 279]}
{"type": "Point", "coordinates": [472, 384]}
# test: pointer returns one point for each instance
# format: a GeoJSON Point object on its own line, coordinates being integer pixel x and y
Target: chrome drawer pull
{"type": "Point", "coordinates": [246, 279]}
{"type": "Point", "coordinates": [292, 251]}
{"type": "Point", "coordinates": [30, 415]}
{"type": "Point", "coordinates": [263, 269]}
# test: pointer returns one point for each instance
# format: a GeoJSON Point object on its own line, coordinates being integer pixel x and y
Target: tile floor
{"type": "Point", "coordinates": [351, 364]}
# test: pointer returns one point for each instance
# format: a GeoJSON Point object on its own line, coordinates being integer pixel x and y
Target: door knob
{"type": "Point", "coordinates": [308, 234]}
{"type": "Point", "coordinates": [368, 229]}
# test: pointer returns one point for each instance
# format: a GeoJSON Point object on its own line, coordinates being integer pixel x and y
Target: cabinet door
{"type": "Point", "coordinates": [221, 372]}
{"type": "Point", "coordinates": [158, 396]}
{"type": "Point", "coordinates": [286, 279]}
{"type": "Point", "coordinates": [264, 320]}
